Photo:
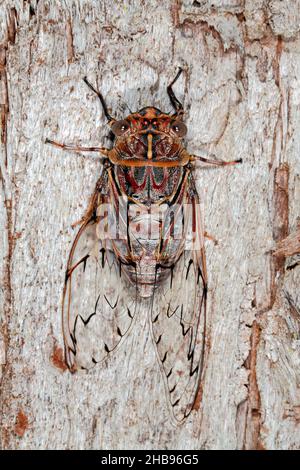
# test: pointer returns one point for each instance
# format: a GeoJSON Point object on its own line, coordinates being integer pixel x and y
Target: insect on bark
{"type": "Point", "coordinates": [141, 247]}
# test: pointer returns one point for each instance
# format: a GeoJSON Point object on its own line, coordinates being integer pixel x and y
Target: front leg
{"type": "Point", "coordinates": [76, 148]}
{"type": "Point", "coordinates": [91, 211]}
{"type": "Point", "coordinates": [213, 161]}
{"type": "Point", "coordinates": [92, 206]}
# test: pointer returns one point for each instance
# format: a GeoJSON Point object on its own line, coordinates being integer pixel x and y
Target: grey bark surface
{"type": "Point", "coordinates": [240, 91]}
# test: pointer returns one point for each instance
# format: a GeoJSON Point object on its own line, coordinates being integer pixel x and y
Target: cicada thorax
{"type": "Point", "coordinates": [139, 146]}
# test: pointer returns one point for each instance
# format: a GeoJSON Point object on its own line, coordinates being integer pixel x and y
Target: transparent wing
{"type": "Point", "coordinates": [178, 316]}
{"type": "Point", "coordinates": [99, 304]}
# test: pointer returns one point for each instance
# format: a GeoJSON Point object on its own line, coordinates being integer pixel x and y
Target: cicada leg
{"type": "Point", "coordinates": [211, 238]}
{"type": "Point", "coordinates": [213, 161]}
{"type": "Point", "coordinates": [92, 206]}
{"type": "Point", "coordinates": [76, 148]}
{"type": "Point", "coordinates": [93, 201]}
{"type": "Point", "coordinates": [80, 221]}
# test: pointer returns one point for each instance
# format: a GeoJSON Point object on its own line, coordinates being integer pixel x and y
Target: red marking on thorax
{"type": "Point", "coordinates": [161, 185]}
{"type": "Point", "coordinates": [149, 173]}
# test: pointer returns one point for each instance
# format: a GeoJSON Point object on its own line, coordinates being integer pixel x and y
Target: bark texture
{"type": "Point", "coordinates": [241, 95]}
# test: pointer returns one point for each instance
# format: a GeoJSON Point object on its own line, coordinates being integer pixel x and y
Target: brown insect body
{"type": "Point", "coordinates": [148, 136]}
{"type": "Point", "coordinates": [142, 238]}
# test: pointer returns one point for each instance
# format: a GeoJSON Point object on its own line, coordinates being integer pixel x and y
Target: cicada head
{"type": "Point", "coordinates": [149, 134]}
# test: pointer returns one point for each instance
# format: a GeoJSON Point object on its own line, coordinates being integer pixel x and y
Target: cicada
{"type": "Point", "coordinates": [140, 249]}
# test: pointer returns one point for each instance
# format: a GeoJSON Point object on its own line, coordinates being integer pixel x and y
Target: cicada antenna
{"type": "Point", "coordinates": [107, 115]}
{"type": "Point", "coordinates": [175, 101]}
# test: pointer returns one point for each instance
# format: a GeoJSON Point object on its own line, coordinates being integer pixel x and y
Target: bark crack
{"type": "Point", "coordinates": [8, 240]}
{"type": "Point", "coordinates": [252, 406]}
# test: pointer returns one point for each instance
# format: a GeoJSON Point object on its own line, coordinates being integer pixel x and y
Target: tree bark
{"type": "Point", "coordinates": [241, 95]}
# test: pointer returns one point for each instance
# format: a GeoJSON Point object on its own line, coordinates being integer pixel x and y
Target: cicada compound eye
{"type": "Point", "coordinates": [120, 127]}
{"type": "Point", "coordinates": [179, 128]}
